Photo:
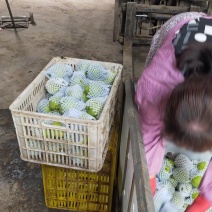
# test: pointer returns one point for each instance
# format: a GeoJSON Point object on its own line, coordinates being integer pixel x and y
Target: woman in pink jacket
{"type": "Point", "coordinates": [180, 50]}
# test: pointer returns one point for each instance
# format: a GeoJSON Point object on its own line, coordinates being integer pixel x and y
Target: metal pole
{"type": "Point", "coordinates": [10, 12]}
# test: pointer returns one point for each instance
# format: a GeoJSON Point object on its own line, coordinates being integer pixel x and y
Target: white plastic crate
{"type": "Point", "coordinates": [79, 144]}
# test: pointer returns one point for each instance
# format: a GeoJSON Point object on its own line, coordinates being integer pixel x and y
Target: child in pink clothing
{"type": "Point", "coordinates": [168, 64]}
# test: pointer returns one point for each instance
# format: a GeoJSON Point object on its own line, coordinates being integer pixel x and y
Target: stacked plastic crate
{"type": "Point", "coordinates": [79, 156]}
{"type": "Point", "coordinates": [82, 190]}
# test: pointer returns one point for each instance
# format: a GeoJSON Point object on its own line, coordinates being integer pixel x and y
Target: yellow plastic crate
{"type": "Point", "coordinates": [77, 190]}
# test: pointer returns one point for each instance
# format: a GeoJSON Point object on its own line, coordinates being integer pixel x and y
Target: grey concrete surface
{"type": "Point", "coordinates": [72, 28]}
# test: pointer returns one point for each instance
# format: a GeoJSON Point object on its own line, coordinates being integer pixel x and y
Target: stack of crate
{"type": "Point", "coordinates": [81, 190]}
{"type": "Point", "coordinates": [79, 160]}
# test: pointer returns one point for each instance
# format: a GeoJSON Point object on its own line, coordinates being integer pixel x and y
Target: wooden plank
{"type": "Point", "coordinates": [128, 36]}
{"type": "Point", "coordinates": [123, 152]}
{"type": "Point", "coordinates": [159, 9]}
{"type": "Point", "coordinates": [139, 58]}
{"type": "Point", "coordinates": [210, 8]}
{"type": "Point", "coordinates": [141, 175]}
{"type": "Point", "coordinates": [116, 21]}
{"type": "Point", "coordinates": [138, 40]}
{"type": "Point", "coordinates": [133, 201]}
{"type": "Point", "coordinates": [159, 16]}
{"type": "Point", "coordinates": [128, 180]}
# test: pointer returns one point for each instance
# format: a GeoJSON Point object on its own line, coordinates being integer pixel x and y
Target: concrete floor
{"type": "Point", "coordinates": [72, 28]}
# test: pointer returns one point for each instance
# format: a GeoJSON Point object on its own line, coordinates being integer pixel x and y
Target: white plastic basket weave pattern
{"type": "Point", "coordinates": [78, 143]}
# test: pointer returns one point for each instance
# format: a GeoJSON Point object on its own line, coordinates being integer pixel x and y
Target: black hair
{"type": "Point", "coordinates": [188, 114]}
{"type": "Point", "coordinates": [196, 59]}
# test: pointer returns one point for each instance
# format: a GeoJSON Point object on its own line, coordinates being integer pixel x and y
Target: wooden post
{"type": "Point", "coordinates": [128, 40]}
{"type": "Point", "coordinates": [210, 8]}
{"type": "Point", "coordinates": [116, 20]}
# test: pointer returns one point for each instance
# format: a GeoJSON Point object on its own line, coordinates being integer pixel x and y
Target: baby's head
{"type": "Point", "coordinates": [188, 115]}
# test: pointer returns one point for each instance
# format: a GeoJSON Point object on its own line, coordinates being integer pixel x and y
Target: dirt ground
{"type": "Point", "coordinates": [72, 28]}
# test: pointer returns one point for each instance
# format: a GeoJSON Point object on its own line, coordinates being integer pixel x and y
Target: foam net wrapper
{"type": "Point", "coordinates": [209, 210]}
{"type": "Point", "coordinates": [43, 106]}
{"type": "Point", "coordinates": [70, 102]}
{"type": "Point", "coordinates": [169, 186]}
{"type": "Point", "coordinates": [97, 105]}
{"type": "Point", "coordinates": [178, 200]}
{"type": "Point", "coordinates": [53, 85]}
{"type": "Point", "coordinates": [167, 162]}
{"type": "Point", "coordinates": [97, 89]}
{"type": "Point", "coordinates": [79, 78]}
{"type": "Point", "coordinates": [60, 70]}
{"type": "Point", "coordinates": [48, 95]}
{"type": "Point", "coordinates": [75, 91]}
{"type": "Point", "coordinates": [49, 121]}
{"type": "Point", "coordinates": [83, 66]}
{"type": "Point", "coordinates": [183, 161]}
{"type": "Point", "coordinates": [181, 175]}
{"type": "Point", "coordinates": [164, 175]}
{"type": "Point", "coordinates": [160, 197]}
{"type": "Point", "coordinates": [111, 76]}
{"type": "Point", "coordinates": [57, 97]}
{"type": "Point", "coordinates": [97, 72]}
{"type": "Point", "coordinates": [173, 181]}
{"type": "Point", "coordinates": [185, 189]}
{"type": "Point", "coordinates": [75, 113]}
{"type": "Point", "coordinates": [169, 207]}
{"type": "Point", "coordinates": [194, 172]}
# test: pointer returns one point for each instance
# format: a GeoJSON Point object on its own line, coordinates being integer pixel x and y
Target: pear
{"type": "Point", "coordinates": [164, 173]}
{"type": "Point", "coordinates": [97, 72]}
{"type": "Point", "coordinates": [94, 106]}
{"type": "Point", "coordinates": [43, 106]}
{"type": "Point", "coordinates": [96, 89]}
{"type": "Point", "coordinates": [55, 133]}
{"type": "Point", "coordinates": [54, 101]}
{"type": "Point", "coordinates": [83, 65]}
{"type": "Point", "coordinates": [195, 181]}
{"type": "Point", "coordinates": [54, 85]}
{"type": "Point", "coordinates": [68, 102]}
{"type": "Point", "coordinates": [202, 166]}
{"type": "Point", "coordinates": [111, 76]}
{"type": "Point", "coordinates": [178, 199]}
{"type": "Point", "coordinates": [75, 91]}
{"type": "Point", "coordinates": [194, 194]}
{"type": "Point", "coordinates": [181, 175]}
{"type": "Point", "coordinates": [60, 70]}
{"type": "Point", "coordinates": [183, 161]}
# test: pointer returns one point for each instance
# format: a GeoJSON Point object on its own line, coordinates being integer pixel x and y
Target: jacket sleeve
{"type": "Point", "coordinates": [151, 124]}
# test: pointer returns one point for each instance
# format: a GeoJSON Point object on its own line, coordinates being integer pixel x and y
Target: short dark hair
{"type": "Point", "coordinates": [196, 59]}
{"type": "Point", "coordinates": [188, 114]}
